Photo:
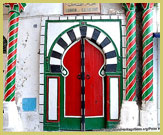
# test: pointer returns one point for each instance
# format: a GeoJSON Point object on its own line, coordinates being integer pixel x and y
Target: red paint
{"type": "Point", "coordinates": [93, 86]}
{"type": "Point", "coordinates": [130, 85]}
{"type": "Point", "coordinates": [108, 97]}
{"type": "Point", "coordinates": [47, 97]}
{"type": "Point", "coordinates": [147, 73]}
{"type": "Point", "coordinates": [10, 79]}
{"type": "Point", "coordinates": [7, 94]}
{"type": "Point", "coordinates": [72, 61]}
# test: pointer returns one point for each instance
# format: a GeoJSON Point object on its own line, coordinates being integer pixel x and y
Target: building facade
{"type": "Point", "coordinates": [83, 71]}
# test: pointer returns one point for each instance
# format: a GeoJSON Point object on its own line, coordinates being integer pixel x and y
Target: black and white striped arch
{"type": "Point", "coordinates": [90, 33]}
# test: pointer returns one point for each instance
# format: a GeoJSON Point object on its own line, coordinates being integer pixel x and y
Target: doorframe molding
{"type": "Point", "coordinates": [45, 62]}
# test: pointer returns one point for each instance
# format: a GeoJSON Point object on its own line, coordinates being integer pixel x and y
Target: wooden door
{"type": "Point", "coordinates": [94, 88]}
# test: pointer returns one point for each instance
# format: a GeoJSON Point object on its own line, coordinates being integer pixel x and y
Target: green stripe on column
{"type": "Point", "coordinates": [147, 91]}
{"type": "Point", "coordinates": [130, 53]}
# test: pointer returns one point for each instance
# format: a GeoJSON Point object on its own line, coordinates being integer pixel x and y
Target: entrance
{"type": "Point", "coordinates": [84, 87]}
{"type": "Point", "coordinates": [83, 75]}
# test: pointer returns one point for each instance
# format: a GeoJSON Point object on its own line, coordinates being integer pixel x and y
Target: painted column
{"type": "Point", "coordinates": [11, 122]}
{"type": "Point", "coordinates": [130, 51]}
{"type": "Point", "coordinates": [14, 12]}
{"type": "Point", "coordinates": [129, 110]}
{"type": "Point", "coordinates": [147, 88]}
{"type": "Point", "coordinates": [149, 105]}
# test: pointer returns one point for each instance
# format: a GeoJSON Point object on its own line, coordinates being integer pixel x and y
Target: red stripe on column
{"type": "Point", "coordinates": [130, 85]}
{"type": "Point", "coordinates": [147, 60]}
{"type": "Point", "coordinates": [131, 70]}
{"type": "Point", "coordinates": [11, 66]}
{"type": "Point", "coordinates": [13, 42]}
{"type": "Point", "coordinates": [147, 73]}
{"type": "Point", "coordinates": [15, 20]}
{"type": "Point", "coordinates": [130, 57]}
{"type": "Point", "coordinates": [13, 32]}
{"type": "Point", "coordinates": [149, 46]}
{"type": "Point", "coordinates": [147, 85]}
{"type": "Point", "coordinates": [12, 54]}
{"type": "Point", "coordinates": [147, 36]}
{"type": "Point", "coordinates": [130, 45]}
{"type": "Point", "coordinates": [147, 24]}
{"type": "Point", "coordinates": [149, 96]}
{"type": "Point", "coordinates": [9, 92]}
{"type": "Point", "coordinates": [132, 97]}
{"type": "Point", "coordinates": [10, 78]}
{"type": "Point", "coordinates": [131, 32]}
{"type": "Point", "coordinates": [147, 12]}
{"type": "Point", "coordinates": [130, 21]}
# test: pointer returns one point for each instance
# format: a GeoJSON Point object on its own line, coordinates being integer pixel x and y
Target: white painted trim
{"type": "Point", "coordinates": [111, 60]}
{"type": "Point", "coordinates": [114, 98]}
{"type": "Point", "coordinates": [101, 37]}
{"type": "Point", "coordinates": [77, 32]}
{"type": "Point", "coordinates": [58, 48]}
{"type": "Point", "coordinates": [55, 61]}
{"type": "Point", "coordinates": [109, 48]}
{"type": "Point", "coordinates": [66, 38]}
{"type": "Point", "coordinates": [53, 99]}
{"type": "Point", "coordinates": [90, 31]}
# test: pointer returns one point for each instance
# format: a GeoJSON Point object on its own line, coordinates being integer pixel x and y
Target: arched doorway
{"type": "Point", "coordinates": [82, 63]}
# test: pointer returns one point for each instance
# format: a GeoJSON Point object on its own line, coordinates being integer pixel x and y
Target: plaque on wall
{"type": "Point", "coordinates": [81, 8]}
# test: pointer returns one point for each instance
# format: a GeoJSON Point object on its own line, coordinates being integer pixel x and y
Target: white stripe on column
{"type": "Point", "coordinates": [52, 100]}
{"type": "Point", "coordinates": [114, 107]}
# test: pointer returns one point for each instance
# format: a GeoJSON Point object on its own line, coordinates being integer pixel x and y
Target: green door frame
{"type": "Point", "coordinates": [58, 125]}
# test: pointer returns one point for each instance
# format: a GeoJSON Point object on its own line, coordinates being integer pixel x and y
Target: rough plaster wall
{"type": "Point", "coordinates": [28, 69]}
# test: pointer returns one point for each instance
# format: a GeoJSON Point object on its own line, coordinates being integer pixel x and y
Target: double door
{"type": "Point", "coordinates": [84, 107]}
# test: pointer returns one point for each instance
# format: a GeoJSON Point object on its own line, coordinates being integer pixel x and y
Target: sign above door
{"type": "Point", "coordinates": [81, 8]}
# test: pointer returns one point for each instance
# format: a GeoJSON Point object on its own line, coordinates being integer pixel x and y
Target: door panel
{"type": "Point", "coordinates": [94, 89]}
{"type": "Point", "coordinates": [72, 61]}
{"type": "Point", "coordinates": [94, 60]}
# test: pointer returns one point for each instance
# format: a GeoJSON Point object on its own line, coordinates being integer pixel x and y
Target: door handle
{"type": "Point", "coordinates": [88, 77]}
{"type": "Point", "coordinates": [79, 76]}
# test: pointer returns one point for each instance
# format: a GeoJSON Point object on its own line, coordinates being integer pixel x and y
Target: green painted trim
{"type": "Point", "coordinates": [111, 124]}
{"type": "Point", "coordinates": [51, 127]}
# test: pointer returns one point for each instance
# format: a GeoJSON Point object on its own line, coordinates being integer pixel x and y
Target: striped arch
{"type": "Point", "coordinates": [95, 35]}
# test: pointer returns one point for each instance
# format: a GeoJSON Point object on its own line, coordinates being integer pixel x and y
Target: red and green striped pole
{"type": "Point", "coordinates": [14, 12]}
{"type": "Point", "coordinates": [147, 90]}
{"type": "Point", "coordinates": [130, 51]}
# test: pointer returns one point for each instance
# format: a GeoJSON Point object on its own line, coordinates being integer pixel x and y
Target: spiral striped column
{"type": "Point", "coordinates": [130, 51]}
{"type": "Point", "coordinates": [147, 77]}
{"type": "Point", "coordinates": [14, 12]}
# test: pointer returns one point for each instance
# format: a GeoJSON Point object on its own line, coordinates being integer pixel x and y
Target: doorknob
{"type": "Point", "coordinates": [79, 76]}
{"type": "Point", "coordinates": [88, 77]}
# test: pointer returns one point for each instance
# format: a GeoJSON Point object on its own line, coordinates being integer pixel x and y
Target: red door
{"type": "Point", "coordinates": [94, 89]}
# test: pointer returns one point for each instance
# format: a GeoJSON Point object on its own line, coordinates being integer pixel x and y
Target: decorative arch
{"type": "Point", "coordinates": [95, 34]}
